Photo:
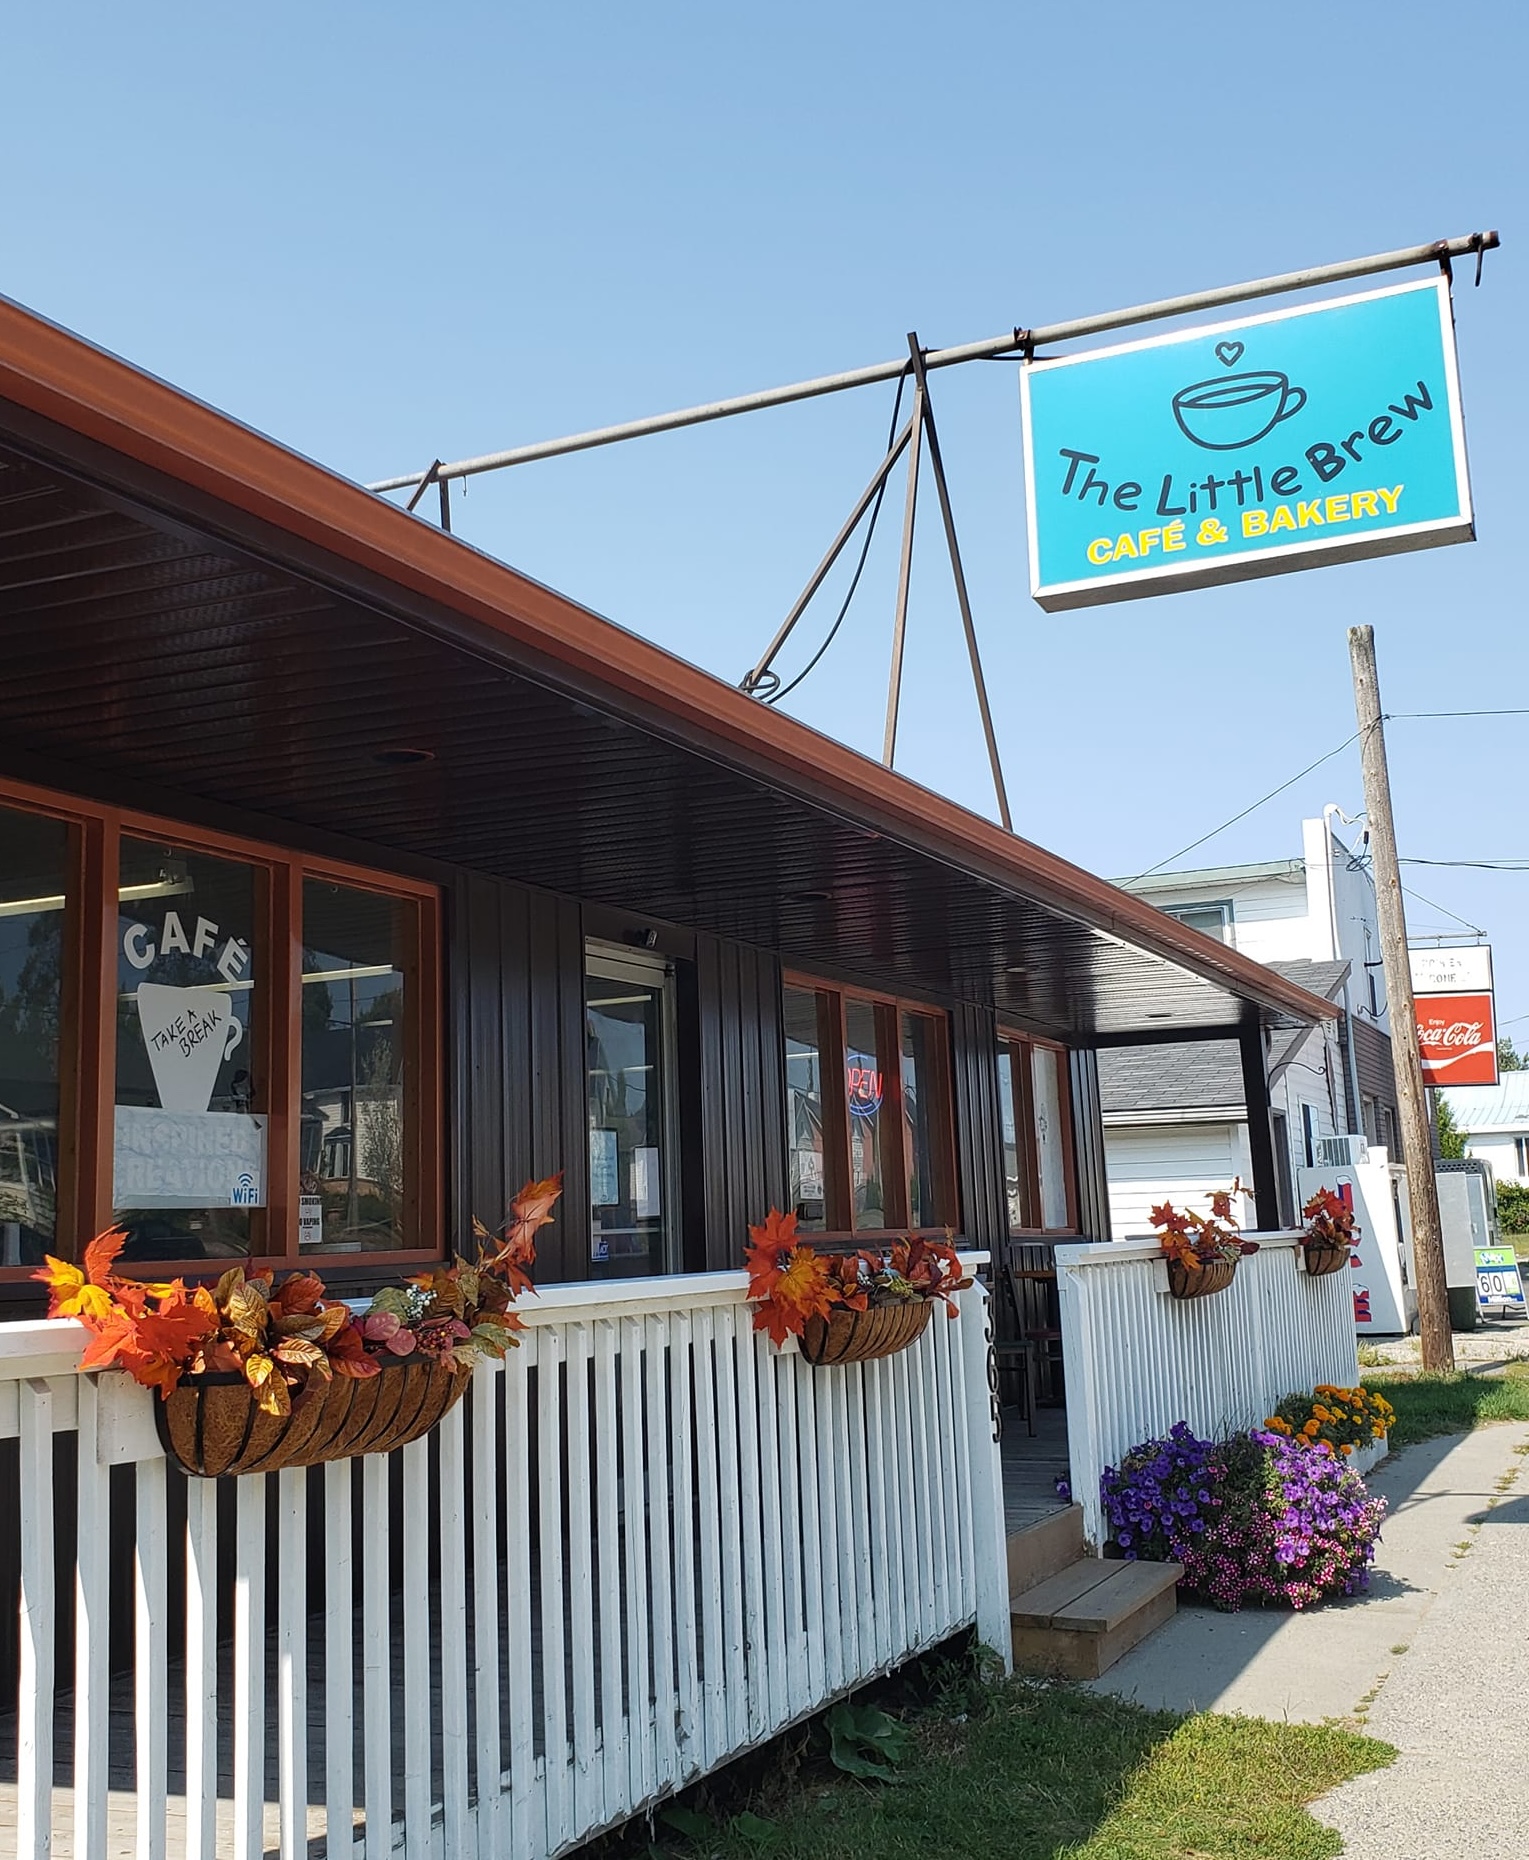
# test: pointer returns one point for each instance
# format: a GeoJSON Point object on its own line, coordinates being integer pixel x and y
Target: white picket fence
{"type": "Point", "coordinates": [645, 1543]}
{"type": "Point", "coordinates": [1138, 1360]}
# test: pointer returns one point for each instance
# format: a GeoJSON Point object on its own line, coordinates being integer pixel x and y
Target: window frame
{"type": "Point", "coordinates": [831, 998]}
{"type": "Point", "coordinates": [1022, 1085]}
{"type": "Point", "coordinates": [1181, 913]}
{"type": "Point", "coordinates": [88, 1039]}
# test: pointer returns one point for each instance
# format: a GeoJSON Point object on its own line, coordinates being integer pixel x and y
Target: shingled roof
{"type": "Point", "coordinates": [1201, 1080]}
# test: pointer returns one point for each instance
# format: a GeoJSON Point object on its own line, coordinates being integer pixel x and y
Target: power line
{"type": "Point", "coordinates": [1478, 865]}
{"type": "Point", "coordinates": [1246, 811]}
{"type": "Point", "coordinates": [1408, 716]}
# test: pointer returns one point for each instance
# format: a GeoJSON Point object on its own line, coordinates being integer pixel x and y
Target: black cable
{"type": "Point", "coordinates": [1245, 812]}
{"type": "Point", "coordinates": [865, 550]}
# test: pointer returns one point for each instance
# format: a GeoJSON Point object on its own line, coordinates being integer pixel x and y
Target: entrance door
{"type": "Point", "coordinates": [633, 1152]}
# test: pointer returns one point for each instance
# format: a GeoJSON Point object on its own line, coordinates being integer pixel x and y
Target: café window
{"type": "Point", "coordinates": [229, 1051]}
{"type": "Point", "coordinates": [868, 1122]}
{"type": "Point", "coordinates": [1034, 1110]}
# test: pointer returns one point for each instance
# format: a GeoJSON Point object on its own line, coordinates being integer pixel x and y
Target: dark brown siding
{"type": "Point", "coordinates": [741, 1115]}
{"type": "Point", "coordinates": [1372, 1061]}
{"type": "Point", "coordinates": [979, 1130]}
{"type": "Point", "coordinates": [516, 968]}
{"type": "Point", "coordinates": [1088, 1144]}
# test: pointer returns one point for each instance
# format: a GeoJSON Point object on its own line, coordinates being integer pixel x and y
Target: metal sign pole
{"type": "Point", "coordinates": [956, 569]}
{"type": "Point", "coordinates": [904, 576]}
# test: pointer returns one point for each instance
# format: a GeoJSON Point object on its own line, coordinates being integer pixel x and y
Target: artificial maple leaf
{"type": "Point", "coordinates": [772, 1240]}
{"type": "Point", "coordinates": [803, 1288]}
{"type": "Point", "coordinates": [156, 1349]}
{"type": "Point", "coordinates": [101, 1255]}
{"type": "Point", "coordinates": [71, 1294]}
{"type": "Point", "coordinates": [530, 1210]}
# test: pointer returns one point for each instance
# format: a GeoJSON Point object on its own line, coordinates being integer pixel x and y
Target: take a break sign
{"type": "Point", "coordinates": [1284, 441]}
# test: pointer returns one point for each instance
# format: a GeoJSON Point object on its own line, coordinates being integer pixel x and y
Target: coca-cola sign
{"type": "Point", "coordinates": [1457, 1038]}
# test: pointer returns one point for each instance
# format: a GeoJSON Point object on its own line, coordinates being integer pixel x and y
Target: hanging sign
{"type": "Point", "coordinates": [1457, 1039]}
{"type": "Point", "coordinates": [1284, 441]}
{"type": "Point", "coordinates": [1451, 971]}
{"type": "Point", "coordinates": [1457, 1032]}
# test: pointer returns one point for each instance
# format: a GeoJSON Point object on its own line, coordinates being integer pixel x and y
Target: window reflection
{"type": "Point", "coordinates": [34, 866]}
{"type": "Point", "coordinates": [352, 1138]}
{"type": "Point", "coordinates": [190, 1137]}
{"type": "Point", "coordinates": [865, 1072]}
{"type": "Point", "coordinates": [804, 1108]}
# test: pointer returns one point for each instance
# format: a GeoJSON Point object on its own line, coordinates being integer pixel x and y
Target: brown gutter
{"type": "Point", "coordinates": [60, 378]}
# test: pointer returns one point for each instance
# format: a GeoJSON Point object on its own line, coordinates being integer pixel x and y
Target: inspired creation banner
{"type": "Point", "coordinates": [1284, 441]}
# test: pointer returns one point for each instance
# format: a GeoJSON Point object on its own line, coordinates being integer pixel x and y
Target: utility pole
{"type": "Point", "coordinates": [1413, 1103]}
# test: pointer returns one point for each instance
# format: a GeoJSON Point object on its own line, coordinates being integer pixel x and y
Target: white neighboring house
{"type": "Point", "coordinates": [1495, 1122]}
{"type": "Point", "coordinates": [1175, 1121]}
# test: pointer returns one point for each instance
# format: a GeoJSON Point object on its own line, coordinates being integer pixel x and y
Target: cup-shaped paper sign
{"type": "Point", "coordinates": [189, 1033]}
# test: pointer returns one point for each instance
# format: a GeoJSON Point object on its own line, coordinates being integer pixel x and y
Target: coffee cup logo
{"type": "Point", "coordinates": [189, 1032]}
{"type": "Point", "coordinates": [1231, 411]}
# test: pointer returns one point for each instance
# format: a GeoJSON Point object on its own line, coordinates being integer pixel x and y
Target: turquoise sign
{"type": "Point", "coordinates": [1283, 441]}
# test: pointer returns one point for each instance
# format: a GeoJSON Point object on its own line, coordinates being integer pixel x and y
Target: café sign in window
{"type": "Point", "coordinates": [190, 1127]}
{"type": "Point", "coordinates": [229, 1050]}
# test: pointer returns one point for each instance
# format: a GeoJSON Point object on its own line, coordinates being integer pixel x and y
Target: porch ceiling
{"type": "Point", "coordinates": [166, 617]}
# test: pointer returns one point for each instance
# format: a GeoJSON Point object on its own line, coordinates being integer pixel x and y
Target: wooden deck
{"type": "Point", "coordinates": [1031, 1467]}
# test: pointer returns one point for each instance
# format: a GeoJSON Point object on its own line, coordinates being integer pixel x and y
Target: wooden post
{"type": "Point", "coordinates": [1255, 1089]}
{"type": "Point", "coordinates": [1412, 1099]}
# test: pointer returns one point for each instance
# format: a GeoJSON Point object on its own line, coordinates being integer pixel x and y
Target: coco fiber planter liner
{"type": "Point", "coordinates": [863, 1336]}
{"type": "Point", "coordinates": [1215, 1277]}
{"type": "Point", "coordinates": [1321, 1260]}
{"type": "Point", "coordinates": [211, 1426]}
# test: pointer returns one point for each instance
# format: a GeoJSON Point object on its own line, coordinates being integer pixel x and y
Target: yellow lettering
{"type": "Point", "coordinates": [1100, 551]}
{"type": "Point", "coordinates": [1364, 505]}
{"type": "Point", "coordinates": [1173, 537]}
{"type": "Point", "coordinates": [1337, 509]}
{"type": "Point", "coordinates": [1282, 519]}
{"type": "Point", "coordinates": [1389, 499]}
{"type": "Point", "coordinates": [1309, 513]}
{"type": "Point", "coordinates": [1124, 547]}
{"type": "Point", "coordinates": [1255, 523]}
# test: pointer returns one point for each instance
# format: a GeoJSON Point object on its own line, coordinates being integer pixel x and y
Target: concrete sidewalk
{"type": "Point", "coordinates": [1328, 1662]}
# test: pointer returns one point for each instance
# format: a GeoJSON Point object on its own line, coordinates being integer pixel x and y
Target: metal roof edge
{"type": "Point", "coordinates": [63, 379]}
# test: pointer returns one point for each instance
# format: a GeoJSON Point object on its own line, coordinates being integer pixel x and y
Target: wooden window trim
{"type": "Point", "coordinates": [87, 1039]}
{"type": "Point", "coordinates": [1012, 1040]}
{"type": "Point", "coordinates": [839, 1229]}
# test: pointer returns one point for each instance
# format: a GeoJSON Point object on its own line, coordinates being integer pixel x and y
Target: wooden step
{"type": "Point", "coordinates": [1040, 1550]}
{"type": "Point", "coordinates": [1077, 1623]}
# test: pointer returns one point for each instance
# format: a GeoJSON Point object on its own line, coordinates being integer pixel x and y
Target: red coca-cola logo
{"type": "Point", "coordinates": [1457, 1039]}
{"type": "Point", "coordinates": [1466, 1033]}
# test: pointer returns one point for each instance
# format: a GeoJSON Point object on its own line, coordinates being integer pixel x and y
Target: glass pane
{"type": "Point", "coordinates": [924, 1117]}
{"type": "Point", "coordinates": [1013, 1158]}
{"type": "Point", "coordinates": [190, 1125]}
{"type": "Point", "coordinates": [804, 1109]}
{"type": "Point", "coordinates": [351, 1141]}
{"type": "Point", "coordinates": [1050, 1143]}
{"type": "Point", "coordinates": [864, 1086]}
{"type": "Point", "coordinates": [34, 865]}
{"type": "Point", "coordinates": [628, 1190]}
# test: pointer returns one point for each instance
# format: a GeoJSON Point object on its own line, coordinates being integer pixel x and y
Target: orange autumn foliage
{"type": "Point", "coordinates": [790, 1282]}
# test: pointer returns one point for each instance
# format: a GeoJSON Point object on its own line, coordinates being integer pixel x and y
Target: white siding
{"type": "Point", "coordinates": [1501, 1153]}
{"type": "Point", "coordinates": [1181, 1163]}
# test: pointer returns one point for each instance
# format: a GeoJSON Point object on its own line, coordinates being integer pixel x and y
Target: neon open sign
{"type": "Point", "coordinates": [863, 1086]}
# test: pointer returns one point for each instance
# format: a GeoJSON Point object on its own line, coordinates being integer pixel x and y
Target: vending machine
{"type": "Point", "coordinates": [1381, 1273]}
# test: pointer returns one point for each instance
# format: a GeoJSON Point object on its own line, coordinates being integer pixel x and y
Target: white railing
{"type": "Point", "coordinates": [1137, 1359]}
{"type": "Point", "coordinates": [645, 1543]}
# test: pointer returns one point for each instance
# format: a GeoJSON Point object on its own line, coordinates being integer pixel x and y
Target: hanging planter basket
{"type": "Point", "coordinates": [1321, 1260]}
{"type": "Point", "coordinates": [1216, 1277]}
{"type": "Point", "coordinates": [211, 1427]}
{"type": "Point", "coordinates": [862, 1336]}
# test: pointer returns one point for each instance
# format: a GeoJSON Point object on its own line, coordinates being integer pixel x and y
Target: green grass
{"type": "Point", "coordinates": [1041, 1772]}
{"type": "Point", "coordinates": [1430, 1405]}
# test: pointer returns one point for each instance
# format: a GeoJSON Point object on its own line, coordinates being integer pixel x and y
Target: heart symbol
{"type": "Point", "coordinates": [1228, 353]}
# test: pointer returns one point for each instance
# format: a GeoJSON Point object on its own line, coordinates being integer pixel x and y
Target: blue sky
{"type": "Point", "coordinates": [384, 234]}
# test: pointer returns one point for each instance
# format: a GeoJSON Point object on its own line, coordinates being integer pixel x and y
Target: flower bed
{"type": "Point", "coordinates": [1252, 1519]}
{"type": "Point", "coordinates": [1345, 1420]}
